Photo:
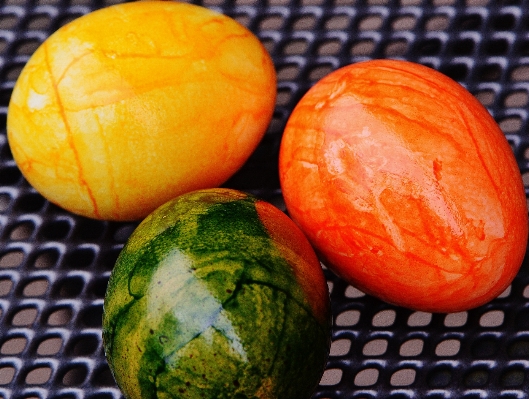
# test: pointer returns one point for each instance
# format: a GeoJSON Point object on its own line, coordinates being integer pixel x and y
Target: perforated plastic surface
{"type": "Point", "coordinates": [54, 266]}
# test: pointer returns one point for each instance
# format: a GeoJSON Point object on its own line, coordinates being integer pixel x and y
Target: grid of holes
{"type": "Point", "coordinates": [54, 270]}
{"type": "Point", "coordinates": [410, 340]}
{"type": "Point", "coordinates": [54, 266]}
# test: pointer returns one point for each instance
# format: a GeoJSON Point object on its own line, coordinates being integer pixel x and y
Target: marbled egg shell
{"type": "Point", "coordinates": [406, 186]}
{"type": "Point", "coordinates": [217, 295]}
{"type": "Point", "coordinates": [128, 106]}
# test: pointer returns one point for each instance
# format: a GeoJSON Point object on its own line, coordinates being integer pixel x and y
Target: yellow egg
{"type": "Point", "coordinates": [131, 105]}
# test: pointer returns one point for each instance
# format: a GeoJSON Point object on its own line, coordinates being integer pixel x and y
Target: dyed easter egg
{"type": "Point", "coordinates": [217, 295]}
{"type": "Point", "coordinates": [131, 105]}
{"type": "Point", "coordinates": [406, 186]}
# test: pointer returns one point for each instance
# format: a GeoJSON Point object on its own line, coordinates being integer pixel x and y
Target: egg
{"type": "Point", "coordinates": [406, 186]}
{"type": "Point", "coordinates": [217, 295]}
{"type": "Point", "coordinates": [131, 105]}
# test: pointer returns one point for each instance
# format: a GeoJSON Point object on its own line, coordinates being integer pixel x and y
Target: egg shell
{"type": "Point", "coordinates": [131, 105]}
{"type": "Point", "coordinates": [406, 186]}
{"type": "Point", "coordinates": [217, 295]}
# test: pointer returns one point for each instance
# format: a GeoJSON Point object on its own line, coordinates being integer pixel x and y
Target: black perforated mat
{"type": "Point", "coordinates": [54, 266]}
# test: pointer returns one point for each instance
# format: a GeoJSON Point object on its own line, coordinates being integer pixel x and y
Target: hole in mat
{"type": "Point", "coordinates": [22, 231]}
{"type": "Point", "coordinates": [412, 347]}
{"type": "Point", "coordinates": [348, 318]}
{"type": "Point", "coordinates": [59, 317]}
{"type": "Point", "coordinates": [419, 319]}
{"type": "Point", "coordinates": [366, 377]}
{"type": "Point", "coordinates": [98, 287]}
{"type": "Point", "coordinates": [456, 319]}
{"type": "Point", "coordinates": [38, 375]}
{"type": "Point", "coordinates": [331, 377]}
{"type": "Point", "coordinates": [403, 377]}
{"type": "Point", "coordinates": [36, 287]}
{"type": "Point", "coordinates": [103, 377]}
{"type": "Point", "coordinates": [55, 230]}
{"type": "Point", "coordinates": [448, 347]}
{"type": "Point", "coordinates": [493, 318]}
{"type": "Point", "coordinates": [80, 258]}
{"type": "Point", "coordinates": [5, 286]}
{"type": "Point", "coordinates": [338, 22]}
{"type": "Point", "coordinates": [340, 347]}
{"type": "Point", "coordinates": [12, 258]}
{"type": "Point", "coordinates": [440, 377]}
{"type": "Point", "coordinates": [7, 373]}
{"type": "Point", "coordinates": [74, 376]}
{"type": "Point", "coordinates": [513, 377]}
{"type": "Point", "coordinates": [83, 345]}
{"type": "Point", "coordinates": [10, 176]}
{"type": "Point", "coordinates": [24, 316]}
{"type": "Point", "coordinates": [30, 203]}
{"type": "Point", "coordinates": [384, 318]}
{"type": "Point", "coordinates": [485, 347]}
{"type": "Point", "coordinates": [92, 316]}
{"type": "Point", "coordinates": [69, 287]}
{"type": "Point", "coordinates": [477, 377]}
{"type": "Point", "coordinates": [49, 346]}
{"type": "Point", "coordinates": [13, 346]}
{"type": "Point", "coordinates": [47, 258]}
{"type": "Point", "coordinates": [375, 347]}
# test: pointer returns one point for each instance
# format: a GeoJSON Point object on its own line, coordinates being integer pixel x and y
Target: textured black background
{"type": "Point", "coordinates": [54, 266]}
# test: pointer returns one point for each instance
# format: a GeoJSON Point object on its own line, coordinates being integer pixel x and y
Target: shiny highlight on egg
{"type": "Point", "coordinates": [406, 186]}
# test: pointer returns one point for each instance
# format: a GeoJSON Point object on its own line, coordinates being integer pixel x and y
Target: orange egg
{"type": "Point", "coordinates": [406, 186]}
{"type": "Point", "coordinates": [129, 106]}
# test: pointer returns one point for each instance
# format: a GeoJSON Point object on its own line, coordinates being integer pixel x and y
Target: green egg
{"type": "Point", "coordinates": [217, 295]}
